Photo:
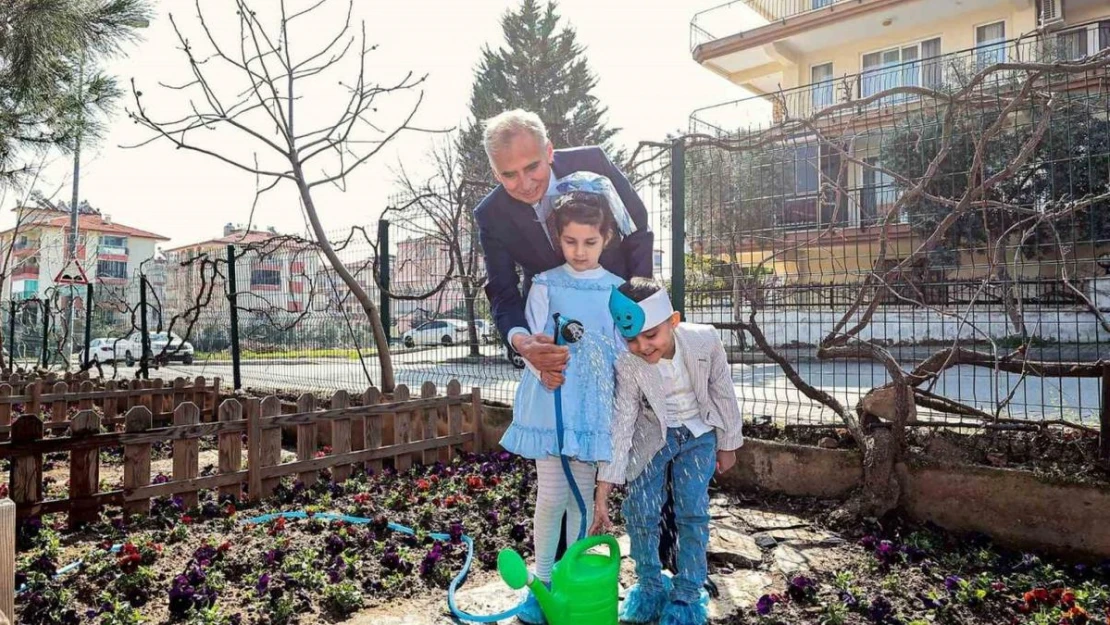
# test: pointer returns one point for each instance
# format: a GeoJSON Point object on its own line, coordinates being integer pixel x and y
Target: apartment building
{"type": "Point", "coordinates": [274, 274]}
{"type": "Point", "coordinates": [112, 254]}
{"type": "Point", "coordinates": [799, 57]}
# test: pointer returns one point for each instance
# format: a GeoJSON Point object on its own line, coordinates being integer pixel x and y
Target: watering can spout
{"type": "Point", "coordinates": [554, 607]}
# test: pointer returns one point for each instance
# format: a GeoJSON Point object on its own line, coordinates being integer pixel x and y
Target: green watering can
{"type": "Point", "coordinates": [583, 585]}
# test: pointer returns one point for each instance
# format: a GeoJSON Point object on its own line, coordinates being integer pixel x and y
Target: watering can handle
{"type": "Point", "coordinates": [576, 550]}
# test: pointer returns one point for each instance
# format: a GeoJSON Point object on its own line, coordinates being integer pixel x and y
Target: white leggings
{"type": "Point", "coordinates": [553, 498]}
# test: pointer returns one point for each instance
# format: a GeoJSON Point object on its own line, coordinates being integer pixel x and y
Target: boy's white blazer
{"type": "Point", "coordinates": [639, 432]}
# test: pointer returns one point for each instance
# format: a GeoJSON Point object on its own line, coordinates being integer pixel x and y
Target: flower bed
{"type": "Point", "coordinates": [906, 574]}
{"type": "Point", "coordinates": [206, 565]}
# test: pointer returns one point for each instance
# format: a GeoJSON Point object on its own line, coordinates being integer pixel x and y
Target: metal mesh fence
{"type": "Point", "coordinates": [957, 202]}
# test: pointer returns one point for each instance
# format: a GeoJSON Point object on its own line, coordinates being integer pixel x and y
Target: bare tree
{"type": "Point", "coordinates": [275, 77]}
{"type": "Point", "coordinates": [439, 209]}
{"type": "Point", "coordinates": [878, 423]}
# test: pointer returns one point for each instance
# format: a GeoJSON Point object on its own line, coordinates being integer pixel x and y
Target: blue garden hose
{"type": "Point", "coordinates": [562, 337]}
{"type": "Point", "coordinates": [456, 583]}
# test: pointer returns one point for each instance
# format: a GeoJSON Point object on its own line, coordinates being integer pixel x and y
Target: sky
{"type": "Point", "coordinates": [639, 50]}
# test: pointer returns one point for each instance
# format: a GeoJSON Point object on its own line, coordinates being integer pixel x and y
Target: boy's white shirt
{"type": "Point", "coordinates": [682, 402]}
{"type": "Point", "coordinates": [537, 310]}
{"type": "Point", "coordinates": [638, 430]}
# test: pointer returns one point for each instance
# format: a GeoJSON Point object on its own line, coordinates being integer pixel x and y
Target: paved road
{"type": "Point", "coordinates": [762, 388]}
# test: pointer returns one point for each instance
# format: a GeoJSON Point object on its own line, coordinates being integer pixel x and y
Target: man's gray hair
{"type": "Point", "coordinates": [500, 129]}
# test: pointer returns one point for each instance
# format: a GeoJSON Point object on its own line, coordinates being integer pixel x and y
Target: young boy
{"type": "Point", "coordinates": [675, 408]}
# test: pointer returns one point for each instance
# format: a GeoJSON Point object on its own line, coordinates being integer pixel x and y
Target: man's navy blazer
{"type": "Point", "coordinates": [511, 236]}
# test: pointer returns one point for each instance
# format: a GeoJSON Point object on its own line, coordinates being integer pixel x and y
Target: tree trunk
{"type": "Point", "coordinates": [472, 327]}
{"type": "Point", "coordinates": [388, 383]}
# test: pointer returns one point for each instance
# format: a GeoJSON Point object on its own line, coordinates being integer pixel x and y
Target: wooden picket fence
{"type": "Point", "coordinates": [114, 398]}
{"type": "Point", "coordinates": [397, 429]}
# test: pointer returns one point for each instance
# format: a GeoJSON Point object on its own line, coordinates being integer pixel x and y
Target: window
{"type": "Point", "coordinates": [107, 241]}
{"type": "Point", "coordinates": [1103, 35]}
{"type": "Point", "coordinates": [878, 194]}
{"type": "Point", "coordinates": [902, 67]}
{"type": "Point", "coordinates": [265, 277]}
{"type": "Point", "coordinates": [820, 4]}
{"type": "Point", "coordinates": [822, 86]}
{"type": "Point", "coordinates": [116, 269]}
{"type": "Point", "coordinates": [800, 207]}
{"type": "Point", "coordinates": [990, 43]}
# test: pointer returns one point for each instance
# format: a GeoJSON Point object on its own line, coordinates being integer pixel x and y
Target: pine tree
{"type": "Point", "coordinates": [542, 69]}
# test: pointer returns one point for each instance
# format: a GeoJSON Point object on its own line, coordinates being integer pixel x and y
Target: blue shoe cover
{"type": "Point", "coordinates": [531, 613]}
{"type": "Point", "coordinates": [678, 613]}
{"type": "Point", "coordinates": [645, 607]}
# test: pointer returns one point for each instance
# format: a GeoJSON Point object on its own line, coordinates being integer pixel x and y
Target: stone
{"type": "Point", "coordinates": [720, 508]}
{"type": "Point", "coordinates": [738, 593]}
{"type": "Point", "coordinates": [764, 541]}
{"type": "Point", "coordinates": [791, 559]}
{"type": "Point", "coordinates": [828, 442]}
{"type": "Point", "coordinates": [762, 520]}
{"type": "Point", "coordinates": [729, 546]}
{"type": "Point", "coordinates": [805, 535]}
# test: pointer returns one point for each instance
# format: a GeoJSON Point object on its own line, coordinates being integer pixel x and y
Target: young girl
{"type": "Point", "coordinates": [578, 290]}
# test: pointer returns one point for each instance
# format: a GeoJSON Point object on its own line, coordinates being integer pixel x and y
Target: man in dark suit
{"type": "Point", "coordinates": [513, 232]}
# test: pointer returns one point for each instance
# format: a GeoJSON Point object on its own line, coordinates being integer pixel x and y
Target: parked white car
{"type": "Point", "coordinates": [438, 332]}
{"type": "Point", "coordinates": [106, 350]}
{"type": "Point", "coordinates": [175, 347]}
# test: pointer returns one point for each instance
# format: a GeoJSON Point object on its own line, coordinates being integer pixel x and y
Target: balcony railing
{"type": "Point", "coordinates": [111, 250]}
{"type": "Point", "coordinates": [26, 271]}
{"type": "Point", "coordinates": [741, 16]}
{"type": "Point", "coordinates": [947, 72]}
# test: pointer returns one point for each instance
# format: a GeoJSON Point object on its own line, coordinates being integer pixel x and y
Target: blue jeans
{"type": "Point", "coordinates": [694, 460]}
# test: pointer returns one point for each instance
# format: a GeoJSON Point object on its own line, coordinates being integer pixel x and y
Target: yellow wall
{"type": "Point", "coordinates": [956, 34]}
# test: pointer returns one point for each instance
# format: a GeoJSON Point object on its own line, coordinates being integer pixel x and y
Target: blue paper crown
{"type": "Point", "coordinates": [627, 314]}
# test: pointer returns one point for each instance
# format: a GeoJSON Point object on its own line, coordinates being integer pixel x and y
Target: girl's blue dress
{"type": "Point", "coordinates": [588, 390]}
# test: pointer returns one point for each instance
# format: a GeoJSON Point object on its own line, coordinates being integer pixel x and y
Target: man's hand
{"type": "Point", "coordinates": [602, 524]}
{"type": "Point", "coordinates": [542, 352]}
{"type": "Point", "coordinates": [725, 461]}
{"type": "Point", "coordinates": [552, 380]}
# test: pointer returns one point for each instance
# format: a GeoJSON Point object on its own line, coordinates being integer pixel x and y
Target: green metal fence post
{"type": "Point", "coordinates": [11, 334]}
{"type": "Point", "coordinates": [678, 225]}
{"type": "Point", "coordinates": [383, 273]}
{"type": "Point", "coordinates": [45, 333]}
{"type": "Point", "coordinates": [88, 323]}
{"type": "Point", "coordinates": [144, 330]}
{"type": "Point", "coordinates": [232, 300]}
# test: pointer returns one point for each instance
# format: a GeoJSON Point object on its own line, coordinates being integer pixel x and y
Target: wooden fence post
{"type": "Point", "coordinates": [7, 559]}
{"type": "Point", "coordinates": [372, 431]}
{"type": "Point", "coordinates": [111, 408]}
{"type": "Point", "coordinates": [59, 409]}
{"type": "Point", "coordinates": [254, 449]}
{"type": "Point", "coordinates": [198, 396]}
{"type": "Point", "coordinates": [454, 414]}
{"type": "Point", "coordinates": [479, 424]}
{"type": "Point", "coordinates": [428, 418]}
{"type": "Point", "coordinates": [178, 393]}
{"type": "Point", "coordinates": [84, 471]}
{"type": "Point", "coordinates": [402, 429]}
{"type": "Point", "coordinates": [215, 395]}
{"type": "Point", "coordinates": [26, 482]}
{"type": "Point", "coordinates": [5, 408]}
{"type": "Point", "coordinates": [306, 438]}
{"type": "Point", "coordinates": [136, 461]}
{"type": "Point", "coordinates": [87, 403]}
{"type": "Point", "coordinates": [340, 436]}
{"type": "Point", "coordinates": [34, 389]}
{"type": "Point", "coordinates": [186, 458]}
{"type": "Point", "coordinates": [271, 444]}
{"type": "Point", "coordinates": [231, 447]}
